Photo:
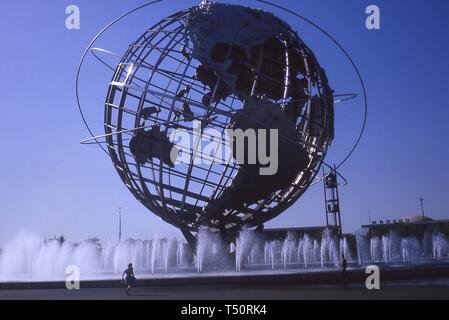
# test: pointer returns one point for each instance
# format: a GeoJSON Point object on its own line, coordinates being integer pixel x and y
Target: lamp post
{"type": "Point", "coordinates": [120, 225]}
{"type": "Point", "coordinates": [422, 207]}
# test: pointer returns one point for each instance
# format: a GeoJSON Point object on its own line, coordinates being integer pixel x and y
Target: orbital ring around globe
{"type": "Point", "coordinates": [338, 98]}
{"type": "Point", "coordinates": [274, 82]}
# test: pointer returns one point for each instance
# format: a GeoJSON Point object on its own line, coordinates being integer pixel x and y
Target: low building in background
{"type": "Point", "coordinates": [413, 226]}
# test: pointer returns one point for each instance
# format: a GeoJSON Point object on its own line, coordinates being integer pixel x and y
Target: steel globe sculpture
{"type": "Point", "coordinates": [218, 66]}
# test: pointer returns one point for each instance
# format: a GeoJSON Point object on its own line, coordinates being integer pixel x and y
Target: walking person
{"type": "Point", "coordinates": [130, 279]}
{"type": "Point", "coordinates": [343, 269]}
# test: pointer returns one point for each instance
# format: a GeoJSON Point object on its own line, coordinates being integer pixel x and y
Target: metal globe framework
{"type": "Point", "coordinates": [158, 76]}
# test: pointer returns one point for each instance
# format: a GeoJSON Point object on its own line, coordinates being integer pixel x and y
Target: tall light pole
{"type": "Point", "coordinates": [119, 225]}
{"type": "Point", "coordinates": [422, 207]}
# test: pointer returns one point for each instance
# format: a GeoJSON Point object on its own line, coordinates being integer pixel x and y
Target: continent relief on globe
{"type": "Point", "coordinates": [241, 47]}
{"type": "Point", "coordinates": [249, 185]}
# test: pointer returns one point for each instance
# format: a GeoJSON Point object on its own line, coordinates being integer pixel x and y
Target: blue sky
{"type": "Point", "coordinates": [51, 184]}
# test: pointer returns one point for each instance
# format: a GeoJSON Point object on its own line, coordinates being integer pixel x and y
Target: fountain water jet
{"type": "Point", "coordinates": [30, 257]}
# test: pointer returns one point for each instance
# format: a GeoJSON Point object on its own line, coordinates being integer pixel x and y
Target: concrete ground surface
{"type": "Point", "coordinates": [425, 282]}
{"type": "Point", "coordinates": [232, 292]}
